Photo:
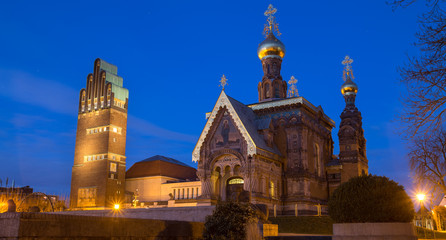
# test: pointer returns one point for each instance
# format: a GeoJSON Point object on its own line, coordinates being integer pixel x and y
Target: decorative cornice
{"type": "Point", "coordinates": [223, 101]}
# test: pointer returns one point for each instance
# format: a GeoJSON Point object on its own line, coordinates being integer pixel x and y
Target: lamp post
{"type": "Point", "coordinates": [421, 197]}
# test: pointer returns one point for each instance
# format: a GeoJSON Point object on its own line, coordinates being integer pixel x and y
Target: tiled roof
{"type": "Point", "coordinates": [248, 118]}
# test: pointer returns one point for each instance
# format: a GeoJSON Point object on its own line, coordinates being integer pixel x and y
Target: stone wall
{"type": "Point", "coordinates": [191, 214]}
{"type": "Point", "coordinates": [374, 231]}
{"type": "Point", "coordinates": [61, 226]}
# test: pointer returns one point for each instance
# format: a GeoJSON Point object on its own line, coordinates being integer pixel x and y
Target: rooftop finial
{"type": "Point", "coordinates": [348, 71]}
{"type": "Point", "coordinates": [223, 82]}
{"type": "Point", "coordinates": [292, 92]}
{"type": "Point", "coordinates": [271, 25]}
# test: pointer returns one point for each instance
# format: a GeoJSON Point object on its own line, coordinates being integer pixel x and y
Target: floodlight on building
{"type": "Point", "coordinates": [116, 206]}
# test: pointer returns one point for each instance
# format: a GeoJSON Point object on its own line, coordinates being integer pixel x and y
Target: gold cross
{"type": "Point", "coordinates": [347, 68]}
{"type": "Point", "coordinates": [223, 82]}
{"type": "Point", "coordinates": [292, 92]}
{"type": "Point", "coordinates": [271, 20]}
{"type": "Point", "coordinates": [270, 11]}
{"type": "Point", "coordinates": [292, 81]}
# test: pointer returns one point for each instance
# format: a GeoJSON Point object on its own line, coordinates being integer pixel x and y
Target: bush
{"type": "Point", "coordinates": [370, 199]}
{"type": "Point", "coordinates": [229, 221]}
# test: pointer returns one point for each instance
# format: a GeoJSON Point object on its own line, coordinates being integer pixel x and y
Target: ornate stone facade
{"type": "Point", "coordinates": [278, 151]}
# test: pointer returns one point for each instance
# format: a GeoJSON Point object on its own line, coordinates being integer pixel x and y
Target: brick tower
{"type": "Point", "coordinates": [98, 172]}
{"type": "Point", "coordinates": [352, 153]}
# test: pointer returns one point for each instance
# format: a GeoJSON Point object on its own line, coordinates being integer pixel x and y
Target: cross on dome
{"type": "Point", "coordinates": [347, 68]}
{"type": "Point", "coordinates": [271, 25]}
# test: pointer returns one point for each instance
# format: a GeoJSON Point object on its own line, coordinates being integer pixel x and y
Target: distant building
{"type": "Point", "coordinates": [159, 179]}
{"type": "Point", "coordinates": [26, 190]}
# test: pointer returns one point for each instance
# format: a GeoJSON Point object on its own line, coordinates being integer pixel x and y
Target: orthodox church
{"type": "Point", "coordinates": [277, 152]}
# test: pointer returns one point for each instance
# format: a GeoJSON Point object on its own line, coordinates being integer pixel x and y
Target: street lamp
{"type": "Point", "coordinates": [421, 197]}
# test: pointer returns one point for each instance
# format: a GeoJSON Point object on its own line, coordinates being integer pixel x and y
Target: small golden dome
{"type": "Point", "coordinates": [349, 87]}
{"type": "Point", "coordinates": [271, 46]}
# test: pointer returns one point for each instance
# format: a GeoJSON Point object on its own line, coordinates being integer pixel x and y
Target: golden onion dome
{"type": "Point", "coordinates": [271, 46]}
{"type": "Point", "coordinates": [349, 87]}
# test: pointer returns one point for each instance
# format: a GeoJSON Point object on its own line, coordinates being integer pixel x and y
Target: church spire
{"type": "Point", "coordinates": [351, 135]}
{"type": "Point", "coordinates": [271, 51]}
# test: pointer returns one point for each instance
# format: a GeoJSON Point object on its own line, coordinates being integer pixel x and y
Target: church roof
{"type": "Point", "coordinates": [161, 166]}
{"type": "Point", "coordinates": [245, 120]}
{"type": "Point", "coordinates": [248, 118]}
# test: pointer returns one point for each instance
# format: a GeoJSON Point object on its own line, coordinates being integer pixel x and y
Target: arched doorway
{"type": "Point", "coordinates": [234, 187]}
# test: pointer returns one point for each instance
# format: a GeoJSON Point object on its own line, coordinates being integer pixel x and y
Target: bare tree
{"type": "Point", "coordinates": [428, 160]}
{"type": "Point", "coordinates": [425, 75]}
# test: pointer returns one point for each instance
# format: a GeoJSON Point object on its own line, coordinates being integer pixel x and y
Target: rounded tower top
{"type": "Point", "coordinates": [271, 47]}
{"type": "Point", "coordinates": [349, 87]}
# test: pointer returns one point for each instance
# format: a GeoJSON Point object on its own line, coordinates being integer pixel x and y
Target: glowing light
{"type": "Point", "coordinates": [116, 206]}
{"type": "Point", "coordinates": [421, 196]}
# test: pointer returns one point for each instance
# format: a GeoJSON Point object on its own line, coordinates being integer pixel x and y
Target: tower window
{"type": "Point", "coordinates": [113, 167]}
{"type": "Point", "coordinates": [83, 108]}
{"type": "Point", "coordinates": [276, 91]}
{"type": "Point", "coordinates": [267, 93]}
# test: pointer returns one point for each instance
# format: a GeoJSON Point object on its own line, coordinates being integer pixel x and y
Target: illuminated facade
{"type": "Point", "coordinates": [98, 172]}
{"type": "Point", "coordinates": [277, 152]}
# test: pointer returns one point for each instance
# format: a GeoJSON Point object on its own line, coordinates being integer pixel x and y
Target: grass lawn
{"type": "Point", "coordinates": [304, 224]}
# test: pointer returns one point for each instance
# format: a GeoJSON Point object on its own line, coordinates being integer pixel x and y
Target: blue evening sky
{"type": "Point", "coordinates": [171, 55]}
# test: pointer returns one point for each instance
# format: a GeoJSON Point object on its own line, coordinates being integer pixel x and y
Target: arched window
{"type": "Point", "coordinates": [267, 93]}
{"type": "Point", "coordinates": [276, 91]}
{"type": "Point", "coordinates": [317, 165]}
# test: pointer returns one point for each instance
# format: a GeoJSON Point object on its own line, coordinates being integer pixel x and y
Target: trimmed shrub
{"type": "Point", "coordinates": [370, 199]}
{"type": "Point", "coordinates": [229, 221]}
